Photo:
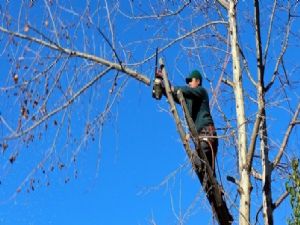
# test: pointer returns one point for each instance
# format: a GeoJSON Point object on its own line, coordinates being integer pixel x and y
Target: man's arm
{"type": "Point", "coordinates": [189, 92]}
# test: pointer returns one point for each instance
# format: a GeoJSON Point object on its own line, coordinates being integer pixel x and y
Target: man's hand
{"type": "Point", "coordinates": [159, 74]}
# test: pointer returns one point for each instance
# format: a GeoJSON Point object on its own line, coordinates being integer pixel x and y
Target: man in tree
{"type": "Point", "coordinates": [197, 101]}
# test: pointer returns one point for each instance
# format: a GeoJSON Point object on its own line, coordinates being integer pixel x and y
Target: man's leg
{"type": "Point", "coordinates": [206, 147]}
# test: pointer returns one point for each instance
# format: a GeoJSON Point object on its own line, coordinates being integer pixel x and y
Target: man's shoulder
{"type": "Point", "coordinates": [201, 89]}
{"type": "Point", "coordinates": [198, 91]}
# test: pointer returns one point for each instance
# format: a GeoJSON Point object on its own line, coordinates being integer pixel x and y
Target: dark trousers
{"type": "Point", "coordinates": [209, 144]}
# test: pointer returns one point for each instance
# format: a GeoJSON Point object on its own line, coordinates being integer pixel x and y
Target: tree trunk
{"type": "Point", "coordinates": [266, 173]}
{"type": "Point", "coordinates": [245, 184]}
{"type": "Point", "coordinates": [264, 148]}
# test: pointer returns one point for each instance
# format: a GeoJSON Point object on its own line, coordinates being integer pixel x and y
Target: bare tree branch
{"type": "Point", "coordinates": [228, 82]}
{"type": "Point", "coordinates": [256, 174]}
{"type": "Point", "coordinates": [286, 137]}
{"type": "Point", "coordinates": [179, 39]}
{"type": "Point", "coordinates": [58, 109]}
{"type": "Point", "coordinates": [247, 67]}
{"type": "Point", "coordinates": [52, 20]}
{"type": "Point", "coordinates": [280, 57]}
{"type": "Point", "coordinates": [296, 122]}
{"type": "Point", "coordinates": [269, 32]}
{"type": "Point", "coordinates": [112, 43]}
{"type": "Point", "coordinates": [224, 3]}
{"type": "Point", "coordinates": [158, 15]}
{"type": "Point", "coordinates": [233, 180]}
{"type": "Point", "coordinates": [280, 199]}
{"type": "Point", "coordinates": [274, 205]}
{"type": "Point", "coordinates": [251, 148]}
{"type": "Point", "coordinates": [73, 53]}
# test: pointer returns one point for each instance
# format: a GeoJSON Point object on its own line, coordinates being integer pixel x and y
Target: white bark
{"type": "Point", "coordinates": [245, 183]}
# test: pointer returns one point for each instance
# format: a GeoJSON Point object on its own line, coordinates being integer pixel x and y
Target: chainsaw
{"type": "Point", "coordinates": [157, 89]}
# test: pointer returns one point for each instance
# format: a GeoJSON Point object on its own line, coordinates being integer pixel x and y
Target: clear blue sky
{"type": "Point", "coordinates": [139, 172]}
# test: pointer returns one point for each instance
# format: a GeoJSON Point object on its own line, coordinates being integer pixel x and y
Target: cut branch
{"type": "Point", "coordinates": [73, 53]}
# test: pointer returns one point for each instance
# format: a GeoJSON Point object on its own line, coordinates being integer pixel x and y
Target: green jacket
{"type": "Point", "coordinates": [198, 105]}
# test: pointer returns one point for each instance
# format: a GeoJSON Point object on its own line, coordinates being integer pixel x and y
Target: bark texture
{"type": "Point", "coordinates": [245, 183]}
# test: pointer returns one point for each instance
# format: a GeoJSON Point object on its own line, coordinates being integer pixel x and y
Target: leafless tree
{"type": "Point", "coordinates": [66, 57]}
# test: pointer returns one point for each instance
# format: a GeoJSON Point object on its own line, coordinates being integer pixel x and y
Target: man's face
{"type": "Point", "coordinates": [194, 83]}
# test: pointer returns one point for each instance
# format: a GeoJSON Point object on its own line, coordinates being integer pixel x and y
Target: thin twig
{"type": "Point", "coordinates": [60, 108]}
{"type": "Point", "coordinates": [197, 29]}
{"type": "Point", "coordinates": [280, 57]}
{"type": "Point", "coordinates": [159, 16]}
{"type": "Point", "coordinates": [53, 23]}
{"type": "Point", "coordinates": [269, 32]}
